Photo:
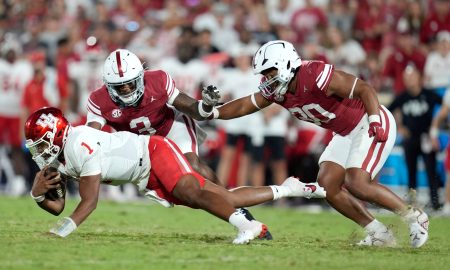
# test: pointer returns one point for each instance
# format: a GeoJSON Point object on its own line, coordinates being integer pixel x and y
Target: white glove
{"type": "Point", "coordinates": [210, 95]}
{"type": "Point", "coordinates": [64, 227]}
{"type": "Point", "coordinates": [151, 194]}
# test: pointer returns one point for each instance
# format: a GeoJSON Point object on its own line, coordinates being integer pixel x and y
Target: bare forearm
{"type": "Point", "coordinates": [53, 207]}
{"type": "Point", "coordinates": [370, 100]}
{"type": "Point", "coordinates": [236, 108]}
{"type": "Point", "coordinates": [83, 210]}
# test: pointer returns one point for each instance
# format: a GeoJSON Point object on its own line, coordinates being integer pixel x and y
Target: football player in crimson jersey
{"type": "Point", "coordinates": [153, 163]}
{"type": "Point", "coordinates": [364, 134]}
{"type": "Point", "coordinates": [149, 103]}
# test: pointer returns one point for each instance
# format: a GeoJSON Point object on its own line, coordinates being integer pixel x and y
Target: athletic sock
{"type": "Point", "coordinates": [375, 226]}
{"type": "Point", "coordinates": [238, 220]}
{"type": "Point", "coordinates": [280, 191]}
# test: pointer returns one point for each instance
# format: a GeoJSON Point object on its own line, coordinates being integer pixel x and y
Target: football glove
{"type": "Point", "coordinates": [210, 95]}
{"type": "Point", "coordinates": [376, 130]}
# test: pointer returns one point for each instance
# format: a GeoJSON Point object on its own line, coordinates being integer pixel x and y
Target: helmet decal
{"type": "Point", "coordinates": [119, 63]}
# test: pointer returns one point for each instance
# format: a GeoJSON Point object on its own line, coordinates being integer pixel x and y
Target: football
{"type": "Point", "coordinates": [56, 193]}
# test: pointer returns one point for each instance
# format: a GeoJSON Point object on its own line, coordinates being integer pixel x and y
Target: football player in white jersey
{"type": "Point", "coordinates": [153, 163]}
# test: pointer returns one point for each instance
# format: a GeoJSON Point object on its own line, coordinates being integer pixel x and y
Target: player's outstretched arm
{"type": "Point", "coordinates": [199, 110]}
{"type": "Point", "coordinates": [89, 189]}
{"type": "Point", "coordinates": [242, 106]}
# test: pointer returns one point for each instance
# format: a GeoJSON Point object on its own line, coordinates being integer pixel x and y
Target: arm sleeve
{"type": "Point", "coordinates": [171, 89]}
{"type": "Point", "coordinates": [325, 72]}
{"type": "Point", "coordinates": [92, 117]}
{"type": "Point", "coordinates": [94, 114]}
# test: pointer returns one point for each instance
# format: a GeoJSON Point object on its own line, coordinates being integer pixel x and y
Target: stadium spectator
{"type": "Point", "coordinates": [437, 65]}
{"type": "Point", "coordinates": [340, 15]}
{"type": "Point", "coordinates": [434, 134]}
{"type": "Point", "coordinates": [437, 20]}
{"type": "Point", "coordinates": [15, 73]}
{"type": "Point", "coordinates": [307, 21]}
{"type": "Point", "coordinates": [219, 21]}
{"type": "Point", "coordinates": [413, 18]}
{"type": "Point", "coordinates": [154, 164]}
{"type": "Point", "coordinates": [189, 72]}
{"type": "Point", "coordinates": [371, 24]}
{"type": "Point", "coordinates": [346, 54]}
{"type": "Point", "coordinates": [239, 134]}
{"type": "Point", "coordinates": [313, 91]}
{"type": "Point", "coordinates": [414, 112]}
{"type": "Point", "coordinates": [406, 53]}
{"type": "Point", "coordinates": [271, 152]}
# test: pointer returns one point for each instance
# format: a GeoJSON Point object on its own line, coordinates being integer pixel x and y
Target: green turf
{"type": "Point", "coordinates": [142, 235]}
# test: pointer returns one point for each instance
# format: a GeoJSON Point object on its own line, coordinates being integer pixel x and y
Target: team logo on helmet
{"type": "Point", "coordinates": [116, 113]}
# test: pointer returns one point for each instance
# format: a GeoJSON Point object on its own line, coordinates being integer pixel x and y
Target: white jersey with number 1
{"type": "Point", "coordinates": [119, 157]}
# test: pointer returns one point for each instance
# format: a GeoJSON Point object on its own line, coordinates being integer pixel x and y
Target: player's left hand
{"type": "Point", "coordinates": [210, 95]}
{"type": "Point", "coordinates": [64, 227]}
{"type": "Point", "coordinates": [377, 131]}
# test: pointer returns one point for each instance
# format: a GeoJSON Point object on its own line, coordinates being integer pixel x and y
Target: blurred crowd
{"type": "Point", "coordinates": [52, 54]}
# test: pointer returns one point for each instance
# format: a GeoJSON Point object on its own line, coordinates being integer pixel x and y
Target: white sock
{"type": "Point", "coordinates": [446, 207]}
{"type": "Point", "coordinates": [280, 191]}
{"type": "Point", "coordinates": [375, 226]}
{"type": "Point", "coordinates": [238, 220]}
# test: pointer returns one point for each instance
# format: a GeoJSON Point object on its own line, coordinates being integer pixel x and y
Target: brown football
{"type": "Point", "coordinates": [56, 193]}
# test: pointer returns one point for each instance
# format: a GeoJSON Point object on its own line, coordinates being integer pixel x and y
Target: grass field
{"type": "Point", "coordinates": [142, 235]}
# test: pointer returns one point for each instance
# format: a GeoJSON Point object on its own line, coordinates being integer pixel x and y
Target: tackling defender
{"type": "Point", "coordinates": [148, 103]}
{"type": "Point", "coordinates": [153, 163]}
{"type": "Point", "coordinates": [364, 134]}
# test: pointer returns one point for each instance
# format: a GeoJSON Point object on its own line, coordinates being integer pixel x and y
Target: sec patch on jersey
{"type": "Point", "coordinates": [55, 193]}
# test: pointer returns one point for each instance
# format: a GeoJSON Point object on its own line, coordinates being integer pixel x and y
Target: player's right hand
{"type": "Point", "coordinates": [44, 181]}
{"type": "Point", "coordinates": [210, 95]}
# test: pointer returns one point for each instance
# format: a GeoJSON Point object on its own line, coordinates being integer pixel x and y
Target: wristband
{"type": "Point", "coordinates": [374, 118]}
{"type": "Point", "coordinates": [37, 199]}
{"type": "Point", "coordinates": [215, 113]}
{"type": "Point", "coordinates": [201, 111]}
{"type": "Point", "coordinates": [434, 132]}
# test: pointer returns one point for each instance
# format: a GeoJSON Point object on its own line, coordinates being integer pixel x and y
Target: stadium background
{"type": "Point", "coordinates": [60, 47]}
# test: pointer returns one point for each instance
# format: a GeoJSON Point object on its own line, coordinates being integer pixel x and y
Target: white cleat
{"type": "Point", "coordinates": [307, 190]}
{"type": "Point", "coordinates": [379, 239]}
{"type": "Point", "coordinates": [259, 230]}
{"type": "Point", "coordinates": [418, 228]}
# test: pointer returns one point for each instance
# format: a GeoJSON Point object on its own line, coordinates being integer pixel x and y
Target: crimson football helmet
{"type": "Point", "coordinates": [281, 55]}
{"type": "Point", "coordinates": [120, 68]}
{"type": "Point", "coordinates": [46, 133]}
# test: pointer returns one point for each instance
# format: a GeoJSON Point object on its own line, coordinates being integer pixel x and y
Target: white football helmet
{"type": "Point", "coordinates": [281, 55]}
{"type": "Point", "coordinates": [123, 67]}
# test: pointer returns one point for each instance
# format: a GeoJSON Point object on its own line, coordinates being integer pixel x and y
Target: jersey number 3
{"type": "Point", "coordinates": [144, 125]}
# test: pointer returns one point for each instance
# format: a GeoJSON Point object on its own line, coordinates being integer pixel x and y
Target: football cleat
{"type": "Point", "coordinates": [418, 227]}
{"type": "Point", "coordinates": [307, 190]}
{"type": "Point", "coordinates": [379, 239]}
{"type": "Point", "coordinates": [249, 216]}
{"type": "Point", "coordinates": [258, 230]}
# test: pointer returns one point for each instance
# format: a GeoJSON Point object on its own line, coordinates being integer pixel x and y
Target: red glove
{"type": "Point", "coordinates": [376, 130]}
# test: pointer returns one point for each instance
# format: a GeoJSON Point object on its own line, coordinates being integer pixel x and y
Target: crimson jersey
{"type": "Point", "coordinates": [310, 102]}
{"type": "Point", "coordinates": [153, 114]}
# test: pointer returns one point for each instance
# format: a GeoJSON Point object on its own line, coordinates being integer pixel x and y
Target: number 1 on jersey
{"type": "Point", "coordinates": [88, 147]}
